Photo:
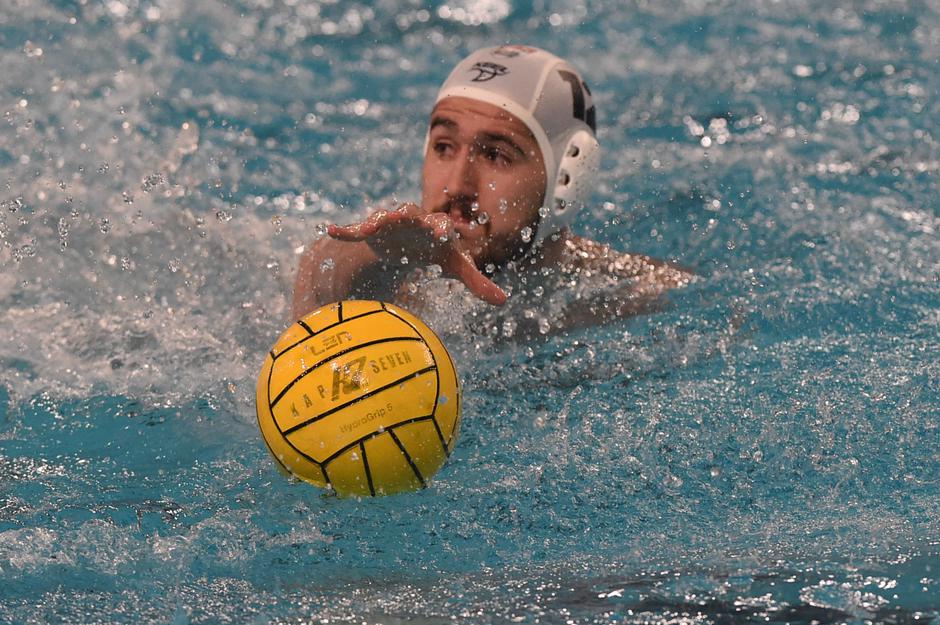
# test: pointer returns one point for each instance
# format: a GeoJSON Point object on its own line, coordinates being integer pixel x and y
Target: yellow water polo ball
{"type": "Point", "coordinates": [361, 397]}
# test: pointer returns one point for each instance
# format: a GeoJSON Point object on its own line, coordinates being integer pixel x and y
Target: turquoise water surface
{"type": "Point", "coordinates": [765, 449]}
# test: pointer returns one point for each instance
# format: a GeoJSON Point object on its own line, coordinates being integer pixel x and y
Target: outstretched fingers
{"type": "Point", "coordinates": [462, 266]}
{"type": "Point", "coordinates": [374, 223]}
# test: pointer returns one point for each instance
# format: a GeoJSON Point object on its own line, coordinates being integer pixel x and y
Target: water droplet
{"type": "Point", "coordinates": [503, 205]}
{"type": "Point", "coordinates": [544, 326]}
{"type": "Point", "coordinates": [526, 234]}
{"type": "Point", "coordinates": [404, 260]}
{"type": "Point", "coordinates": [483, 218]}
{"type": "Point", "coordinates": [103, 168]}
{"type": "Point", "coordinates": [543, 211]}
{"type": "Point", "coordinates": [442, 399]}
{"type": "Point", "coordinates": [490, 268]}
{"type": "Point", "coordinates": [492, 186]}
{"type": "Point", "coordinates": [443, 238]}
{"type": "Point", "coordinates": [328, 264]}
{"type": "Point", "coordinates": [223, 216]}
{"type": "Point", "coordinates": [128, 197]}
{"type": "Point", "coordinates": [104, 225]}
{"type": "Point", "coordinates": [175, 264]}
{"type": "Point", "coordinates": [321, 229]}
{"type": "Point", "coordinates": [151, 181]}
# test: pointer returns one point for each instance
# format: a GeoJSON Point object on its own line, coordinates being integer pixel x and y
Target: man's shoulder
{"type": "Point", "coordinates": [586, 256]}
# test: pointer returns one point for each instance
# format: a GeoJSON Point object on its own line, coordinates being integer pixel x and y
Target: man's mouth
{"type": "Point", "coordinates": [467, 218]}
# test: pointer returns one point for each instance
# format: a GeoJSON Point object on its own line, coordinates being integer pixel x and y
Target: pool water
{"type": "Point", "coordinates": [765, 449]}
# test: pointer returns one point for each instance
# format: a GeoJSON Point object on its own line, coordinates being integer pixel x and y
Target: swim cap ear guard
{"type": "Point", "coordinates": [579, 163]}
{"type": "Point", "coordinates": [548, 95]}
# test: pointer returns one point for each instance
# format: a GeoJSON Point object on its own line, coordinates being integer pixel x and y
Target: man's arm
{"type": "Point", "coordinates": [331, 271]}
{"type": "Point", "coordinates": [645, 280]}
{"type": "Point", "coordinates": [367, 259]}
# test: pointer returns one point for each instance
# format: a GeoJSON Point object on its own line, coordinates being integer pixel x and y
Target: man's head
{"type": "Point", "coordinates": [512, 131]}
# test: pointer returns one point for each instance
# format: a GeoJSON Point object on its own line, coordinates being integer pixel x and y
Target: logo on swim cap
{"type": "Point", "coordinates": [488, 71]}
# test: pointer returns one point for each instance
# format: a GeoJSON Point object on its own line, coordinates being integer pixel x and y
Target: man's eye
{"type": "Point", "coordinates": [497, 156]}
{"type": "Point", "coordinates": [442, 148]}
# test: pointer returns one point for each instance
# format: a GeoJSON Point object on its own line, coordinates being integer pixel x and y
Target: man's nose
{"type": "Point", "coordinates": [464, 175]}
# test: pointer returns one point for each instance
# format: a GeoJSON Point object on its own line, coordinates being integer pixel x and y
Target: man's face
{"type": "Point", "coordinates": [483, 167]}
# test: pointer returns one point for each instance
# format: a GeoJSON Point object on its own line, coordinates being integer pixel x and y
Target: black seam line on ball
{"type": "Point", "coordinates": [268, 392]}
{"type": "Point", "coordinates": [267, 444]}
{"type": "Point", "coordinates": [339, 312]}
{"type": "Point", "coordinates": [324, 329]}
{"type": "Point", "coordinates": [440, 435]}
{"type": "Point", "coordinates": [323, 415]}
{"type": "Point", "coordinates": [343, 352]}
{"type": "Point", "coordinates": [408, 458]}
{"type": "Point", "coordinates": [303, 324]}
{"type": "Point", "coordinates": [365, 463]}
{"type": "Point", "coordinates": [305, 455]}
{"type": "Point", "coordinates": [437, 373]}
{"type": "Point", "coordinates": [372, 435]}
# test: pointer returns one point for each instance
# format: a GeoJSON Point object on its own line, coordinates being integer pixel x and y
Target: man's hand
{"type": "Point", "coordinates": [423, 238]}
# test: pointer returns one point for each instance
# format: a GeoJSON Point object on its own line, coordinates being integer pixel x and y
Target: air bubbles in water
{"type": "Point", "coordinates": [150, 182]}
{"type": "Point", "coordinates": [503, 205]}
{"type": "Point", "coordinates": [63, 233]}
{"type": "Point", "coordinates": [175, 264]}
{"type": "Point", "coordinates": [483, 218]}
{"type": "Point", "coordinates": [13, 205]}
{"type": "Point", "coordinates": [321, 229]}
{"type": "Point", "coordinates": [104, 225]}
{"type": "Point", "coordinates": [223, 216]}
{"type": "Point", "coordinates": [543, 211]}
{"type": "Point", "coordinates": [327, 264]}
{"type": "Point", "coordinates": [526, 234]}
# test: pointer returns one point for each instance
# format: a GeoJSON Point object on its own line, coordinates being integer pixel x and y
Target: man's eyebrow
{"type": "Point", "coordinates": [439, 120]}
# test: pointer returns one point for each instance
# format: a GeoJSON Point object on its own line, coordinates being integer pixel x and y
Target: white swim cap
{"type": "Point", "coordinates": [548, 95]}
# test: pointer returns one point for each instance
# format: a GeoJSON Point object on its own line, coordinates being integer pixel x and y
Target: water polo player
{"type": "Point", "coordinates": [509, 160]}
